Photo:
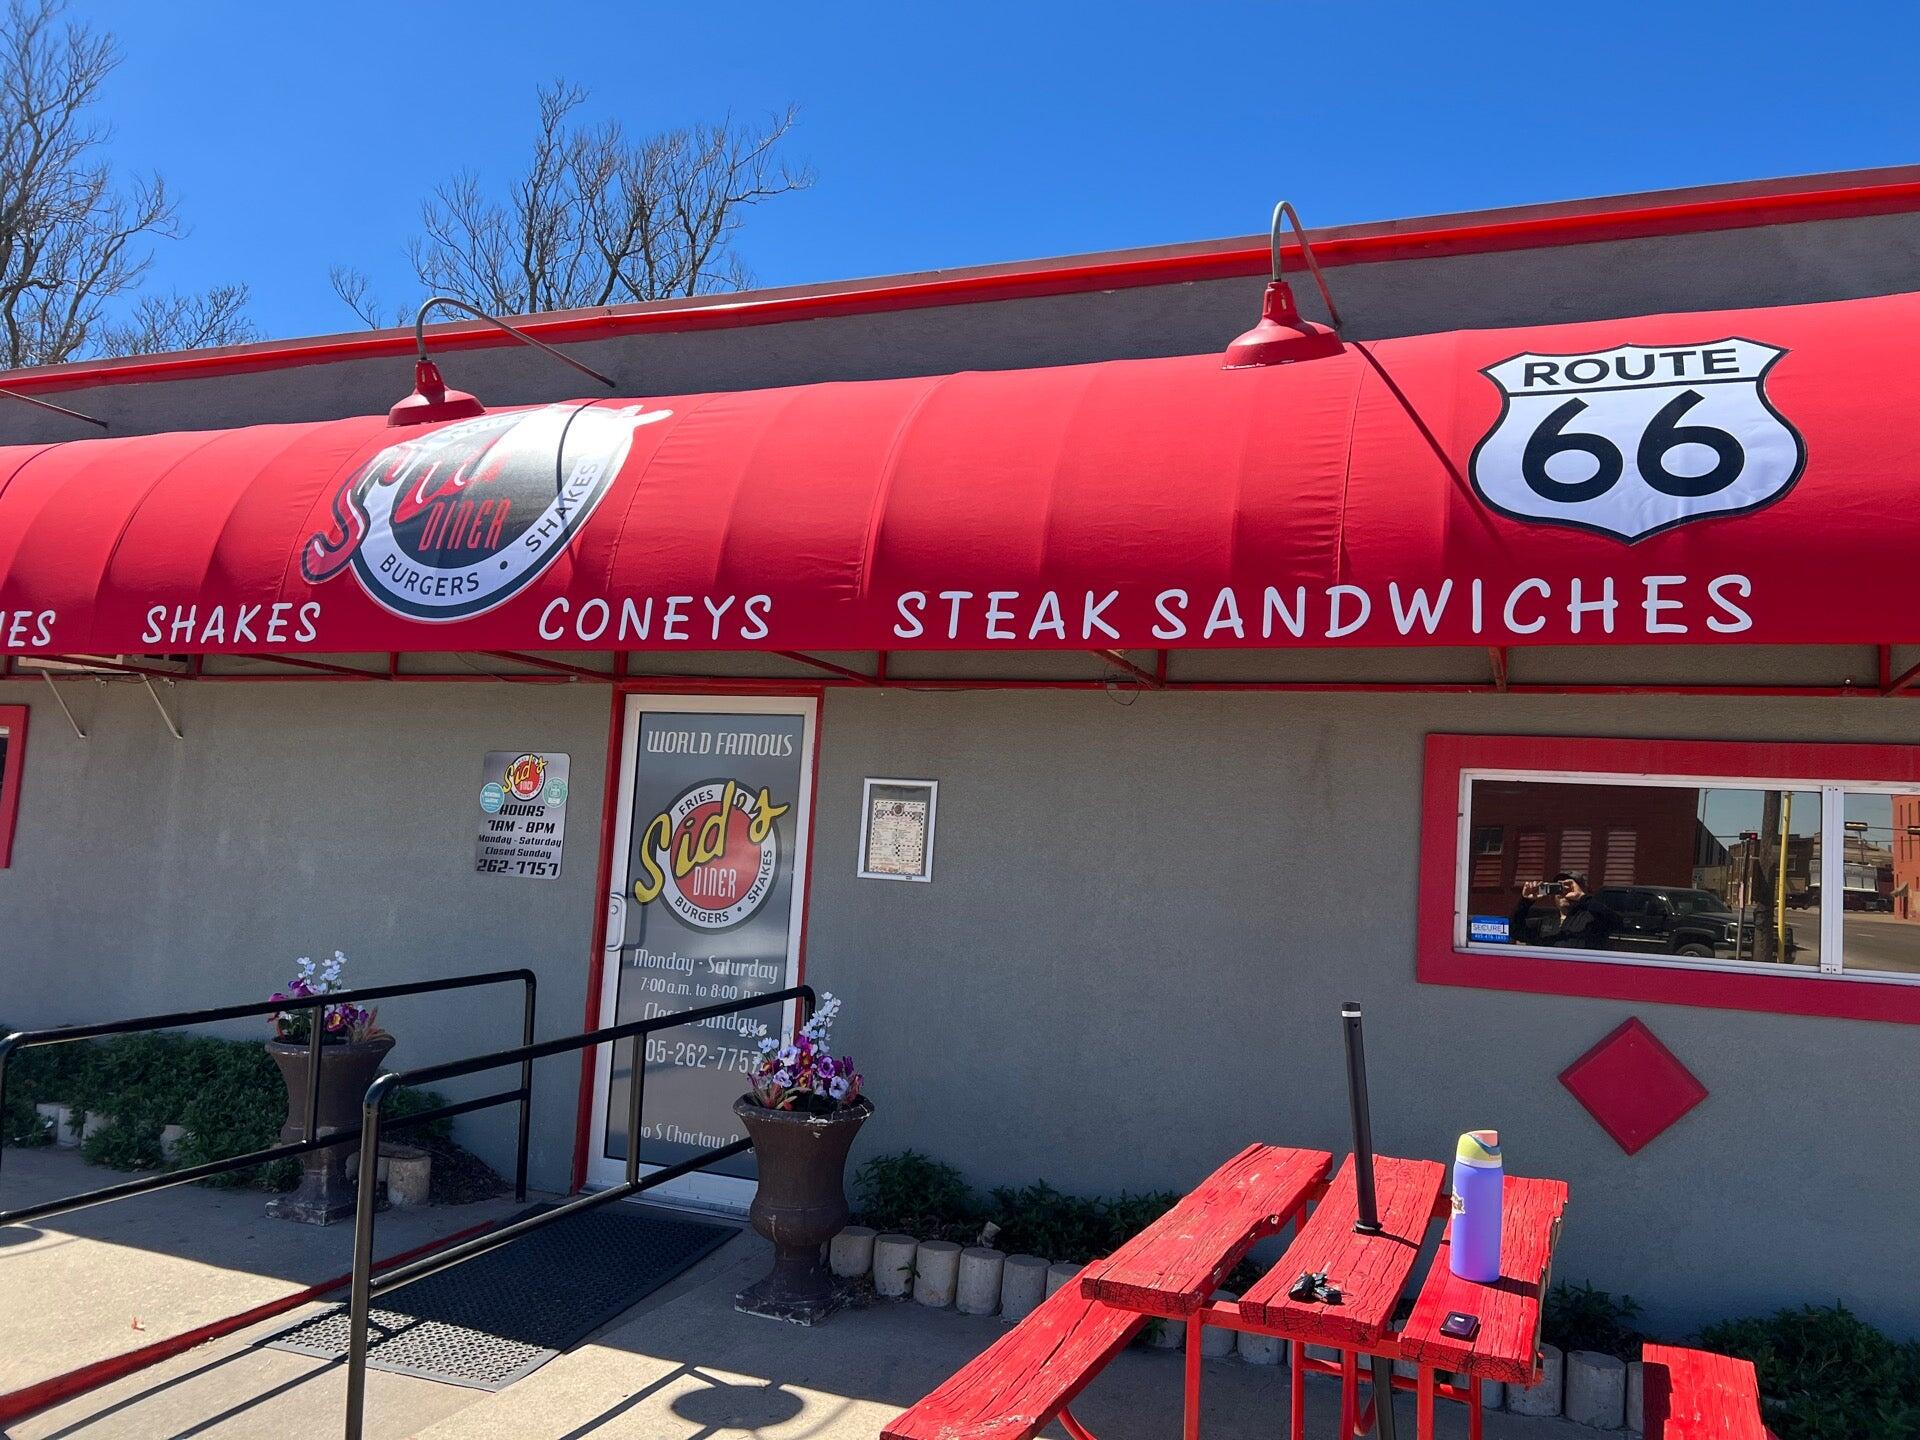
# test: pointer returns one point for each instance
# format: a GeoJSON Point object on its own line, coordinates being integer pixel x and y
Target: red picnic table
{"type": "Point", "coordinates": [1172, 1269]}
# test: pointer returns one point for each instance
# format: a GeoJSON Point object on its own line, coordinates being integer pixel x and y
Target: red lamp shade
{"type": "Point", "coordinates": [1282, 336]}
{"type": "Point", "coordinates": [432, 400]}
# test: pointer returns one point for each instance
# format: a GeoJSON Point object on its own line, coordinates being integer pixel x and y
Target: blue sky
{"type": "Point", "coordinates": [302, 135]}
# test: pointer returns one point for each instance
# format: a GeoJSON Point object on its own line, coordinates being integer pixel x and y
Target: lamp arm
{"type": "Point", "coordinates": [1285, 210]}
{"type": "Point", "coordinates": [420, 333]}
{"type": "Point", "coordinates": [57, 409]}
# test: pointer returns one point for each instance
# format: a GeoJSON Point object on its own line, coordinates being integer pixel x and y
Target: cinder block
{"type": "Point", "coordinates": [978, 1292]}
{"type": "Point", "coordinates": [850, 1253]}
{"type": "Point", "coordinates": [1542, 1397]}
{"type": "Point", "coordinates": [409, 1177]}
{"type": "Point", "coordinates": [1636, 1397]}
{"type": "Point", "coordinates": [1023, 1285]}
{"type": "Point", "coordinates": [1261, 1349]}
{"type": "Point", "coordinates": [1216, 1341]}
{"type": "Point", "coordinates": [1493, 1395]}
{"type": "Point", "coordinates": [1323, 1352]}
{"type": "Point", "coordinates": [1059, 1273]}
{"type": "Point", "coordinates": [95, 1123]}
{"type": "Point", "coordinates": [170, 1138]}
{"type": "Point", "coordinates": [60, 1119]}
{"type": "Point", "coordinates": [1596, 1390]}
{"type": "Point", "coordinates": [893, 1265]}
{"type": "Point", "coordinates": [936, 1273]}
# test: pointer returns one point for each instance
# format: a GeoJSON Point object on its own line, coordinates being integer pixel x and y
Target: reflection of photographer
{"type": "Point", "coordinates": [1577, 920]}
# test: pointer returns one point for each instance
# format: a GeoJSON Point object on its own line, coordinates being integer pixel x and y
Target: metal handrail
{"type": "Point", "coordinates": [366, 1286]}
{"type": "Point", "coordinates": [311, 1139]}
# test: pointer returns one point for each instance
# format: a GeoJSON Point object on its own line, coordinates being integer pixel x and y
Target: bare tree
{"type": "Point", "coordinates": [73, 238]}
{"type": "Point", "coordinates": [182, 322]}
{"type": "Point", "coordinates": [596, 217]}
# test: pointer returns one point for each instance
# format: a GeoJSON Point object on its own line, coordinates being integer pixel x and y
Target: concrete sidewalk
{"type": "Point", "coordinates": [98, 1283]}
{"type": "Point", "coordinates": [691, 1368]}
{"type": "Point", "coordinates": [682, 1365]}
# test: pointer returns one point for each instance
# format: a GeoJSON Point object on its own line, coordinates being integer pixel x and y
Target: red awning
{"type": "Point", "coordinates": [1734, 477]}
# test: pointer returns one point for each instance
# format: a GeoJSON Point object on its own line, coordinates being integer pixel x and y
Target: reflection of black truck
{"type": "Point", "coordinates": [1667, 920]}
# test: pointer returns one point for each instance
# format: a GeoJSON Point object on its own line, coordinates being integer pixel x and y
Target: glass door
{"type": "Point", "coordinates": [709, 872]}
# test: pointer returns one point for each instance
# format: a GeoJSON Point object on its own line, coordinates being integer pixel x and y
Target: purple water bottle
{"type": "Point", "coordinates": [1478, 1181]}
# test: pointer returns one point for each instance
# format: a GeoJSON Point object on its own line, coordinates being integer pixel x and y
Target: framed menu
{"type": "Point", "coordinates": [896, 829]}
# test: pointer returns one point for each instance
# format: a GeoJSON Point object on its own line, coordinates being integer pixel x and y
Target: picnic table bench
{"type": "Point", "coordinates": [1695, 1395]}
{"type": "Point", "coordinates": [1027, 1377]}
{"type": "Point", "coordinates": [1172, 1269]}
{"type": "Point", "coordinates": [1031, 1374]}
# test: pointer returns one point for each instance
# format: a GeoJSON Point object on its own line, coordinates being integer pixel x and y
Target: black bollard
{"type": "Point", "coordinates": [1366, 1205]}
{"type": "Point", "coordinates": [1368, 1221]}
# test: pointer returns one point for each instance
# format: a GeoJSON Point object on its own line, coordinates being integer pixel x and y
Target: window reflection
{"type": "Point", "coordinates": [1721, 873]}
{"type": "Point", "coordinates": [1880, 860]}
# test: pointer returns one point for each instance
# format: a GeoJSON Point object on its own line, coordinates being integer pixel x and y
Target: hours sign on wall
{"type": "Point", "coordinates": [523, 814]}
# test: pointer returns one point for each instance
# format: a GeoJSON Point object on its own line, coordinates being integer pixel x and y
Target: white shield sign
{"type": "Point", "coordinates": [1635, 440]}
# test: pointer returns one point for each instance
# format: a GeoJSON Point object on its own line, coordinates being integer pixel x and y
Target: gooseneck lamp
{"type": "Point", "coordinates": [1283, 334]}
{"type": "Point", "coordinates": [431, 400]}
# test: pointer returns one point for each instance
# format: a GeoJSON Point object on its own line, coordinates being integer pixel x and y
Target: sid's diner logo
{"type": "Point", "coordinates": [526, 777]}
{"type": "Point", "coordinates": [713, 855]}
{"type": "Point", "coordinates": [454, 522]}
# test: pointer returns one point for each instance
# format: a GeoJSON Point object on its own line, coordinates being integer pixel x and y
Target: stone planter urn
{"type": "Point", "coordinates": [801, 1204]}
{"type": "Point", "coordinates": [347, 1068]}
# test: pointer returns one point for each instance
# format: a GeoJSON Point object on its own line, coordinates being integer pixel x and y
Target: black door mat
{"type": "Point", "coordinates": [498, 1318]}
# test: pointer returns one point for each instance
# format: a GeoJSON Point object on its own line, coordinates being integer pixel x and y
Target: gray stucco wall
{"type": "Point", "coordinates": [1128, 965]}
{"type": "Point", "coordinates": [152, 875]}
{"type": "Point", "coordinates": [1145, 918]}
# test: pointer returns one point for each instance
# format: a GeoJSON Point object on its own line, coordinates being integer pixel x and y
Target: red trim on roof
{"type": "Point", "coordinates": [1797, 200]}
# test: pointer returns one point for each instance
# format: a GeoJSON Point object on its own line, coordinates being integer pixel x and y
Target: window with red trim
{"type": "Point", "coordinates": [13, 756]}
{"type": "Point", "coordinates": [1780, 877]}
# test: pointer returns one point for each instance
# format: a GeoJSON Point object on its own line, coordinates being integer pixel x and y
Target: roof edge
{"type": "Point", "coordinates": [1787, 200]}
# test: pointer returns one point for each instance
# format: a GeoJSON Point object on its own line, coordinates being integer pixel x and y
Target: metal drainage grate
{"type": "Point", "coordinates": [494, 1320]}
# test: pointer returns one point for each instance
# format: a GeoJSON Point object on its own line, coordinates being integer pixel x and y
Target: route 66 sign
{"type": "Point", "coordinates": [1635, 440]}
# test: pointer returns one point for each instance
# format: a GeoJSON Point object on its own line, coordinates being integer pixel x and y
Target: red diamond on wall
{"type": "Point", "coordinates": [1633, 1085]}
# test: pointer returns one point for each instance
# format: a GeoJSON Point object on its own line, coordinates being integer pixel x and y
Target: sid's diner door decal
{"type": "Point", "coordinates": [709, 862]}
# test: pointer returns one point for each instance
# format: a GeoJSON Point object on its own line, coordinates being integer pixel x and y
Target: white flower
{"type": "Point", "coordinates": [838, 1087]}
{"type": "Point", "coordinates": [790, 1056]}
{"type": "Point", "coordinates": [768, 1044]}
{"type": "Point", "coordinates": [782, 1078]}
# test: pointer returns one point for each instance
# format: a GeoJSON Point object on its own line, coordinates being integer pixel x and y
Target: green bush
{"type": "Point", "coordinates": [403, 1103]}
{"type": "Point", "coordinates": [41, 1076]}
{"type": "Point", "coordinates": [1579, 1317]}
{"type": "Point", "coordinates": [227, 1094]}
{"type": "Point", "coordinates": [914, 1195]}
{"type": "Point", "coordinates": [240, 1105]}
{"type": "Point", "coordinates": [21, 1125]}
{"type": "Point", "coordinates": [1039, 1220]}
{"type": "Point", "coordinates": [1825, 1374]}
